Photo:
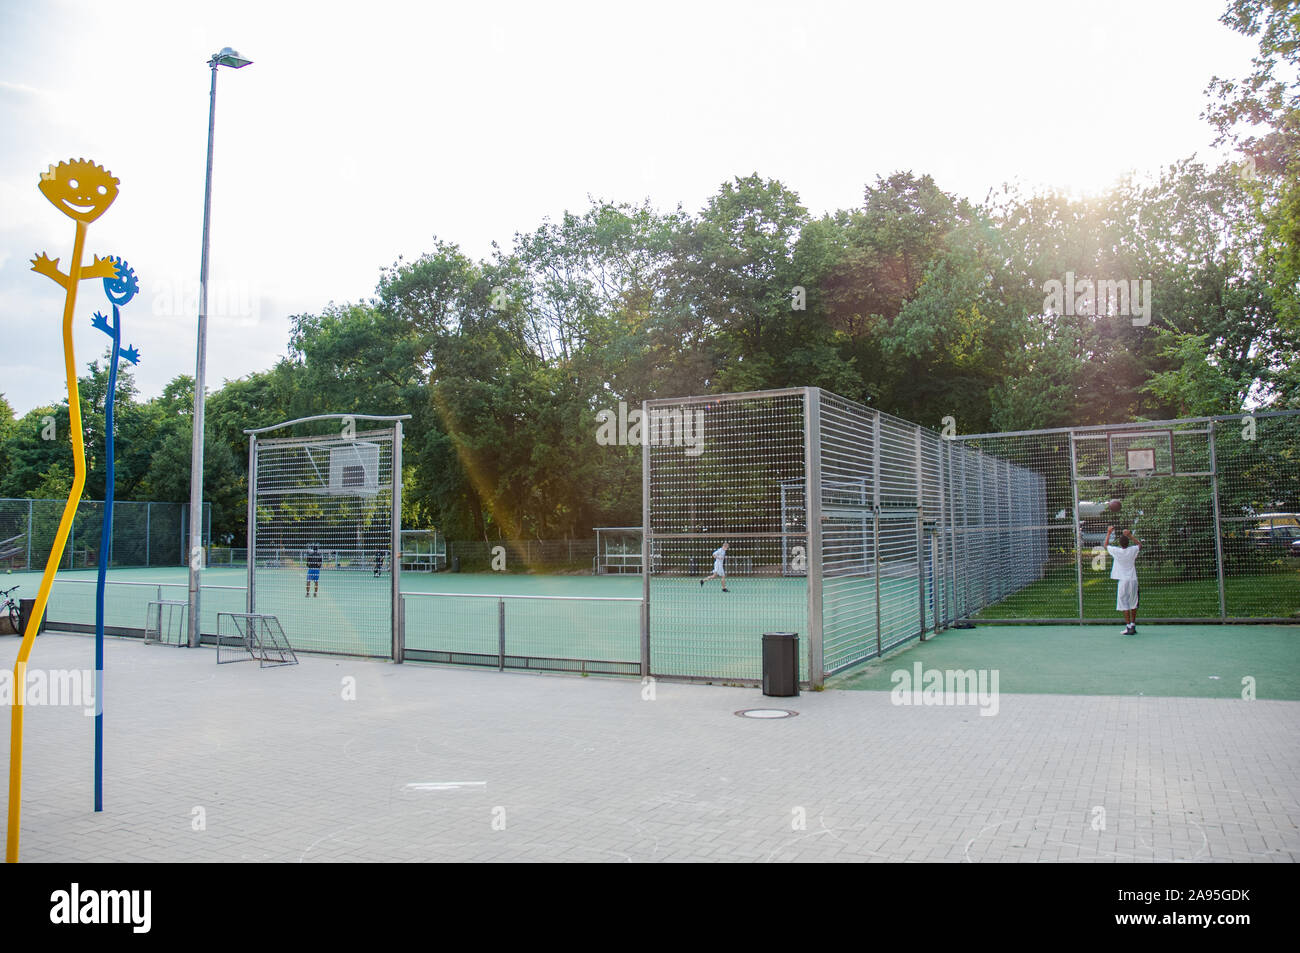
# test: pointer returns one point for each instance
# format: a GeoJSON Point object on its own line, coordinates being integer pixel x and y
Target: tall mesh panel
{"type": "Point", "coordinates": [848, 497]}
{"type": "Point", "coordinates": [1218, 516]}
{"type": "Point", "coordinates": [899, 542]}
{"type": "Point", "coordinates": [714, 473]}
{"type": "Point", "coordinates": [1258, 479]}
{"type": "Point", "coordinates": [932, 513]}
{"type": "Point", "coordinates": [1011, 524]}
{"type": "Point", "coordinates": [321, 540]}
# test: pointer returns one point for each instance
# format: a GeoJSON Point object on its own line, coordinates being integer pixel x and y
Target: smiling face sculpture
{"type": "Point", "coordinates": [123, 288]}
{"type": "Point", "coordinates": [79, 189]}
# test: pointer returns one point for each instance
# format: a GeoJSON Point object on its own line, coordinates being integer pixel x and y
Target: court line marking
{"type": "Point", "coordinates": [443, 785]}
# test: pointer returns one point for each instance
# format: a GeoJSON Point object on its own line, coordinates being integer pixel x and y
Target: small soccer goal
{"type": "Point", "coordinates": [164, 622]}
{"type": "Point", "coordinates": [245, 636]}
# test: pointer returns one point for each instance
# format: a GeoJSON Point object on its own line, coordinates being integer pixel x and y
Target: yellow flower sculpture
{"type": "Point", "coordinates": [83, 191]}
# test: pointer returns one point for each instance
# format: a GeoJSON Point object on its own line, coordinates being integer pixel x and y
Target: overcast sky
{"type": "Point", "coordinates": [361, 130]}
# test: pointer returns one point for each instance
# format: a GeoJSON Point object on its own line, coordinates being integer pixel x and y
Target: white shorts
{"type": "Point", "coordinates": [718, 570]}
{"type": "Point", "coordinates": [1127, 595]}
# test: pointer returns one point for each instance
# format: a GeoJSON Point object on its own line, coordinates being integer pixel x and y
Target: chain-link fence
{"type": "Point", "coordinates": [841, 523]}
{"type": "Point", "coordinates": [1213, 502]}
{"type": "Point", "coordinates": [719, 471]}
{"type": "Point", "coordinates": [145, 533]}
{"type": "Point", "coordinates": [855, 529]}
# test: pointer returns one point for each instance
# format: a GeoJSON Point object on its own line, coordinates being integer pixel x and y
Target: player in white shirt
{"type": "Point", "coordinates": [719, 570]}
{"type": "Point", "coordinates": [1124, 570]}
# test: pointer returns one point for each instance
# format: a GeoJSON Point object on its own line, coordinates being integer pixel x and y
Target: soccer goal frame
{"type": "Point", "coordinates": [349, 464]}
{"type": "Point", "coordinates": [251, 636]}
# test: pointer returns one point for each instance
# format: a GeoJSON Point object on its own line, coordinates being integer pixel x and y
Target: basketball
{"type": "Point", "coordinates": [1114, 506]}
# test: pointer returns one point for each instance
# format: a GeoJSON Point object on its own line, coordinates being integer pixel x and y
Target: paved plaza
{"type": "Point", "coordinates": [424, 763]}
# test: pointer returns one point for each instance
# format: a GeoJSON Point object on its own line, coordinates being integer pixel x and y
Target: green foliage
{"type": "Point", "coordinates": [1260, 114]}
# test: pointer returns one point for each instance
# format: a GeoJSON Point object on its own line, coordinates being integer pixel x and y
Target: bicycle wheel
{"type": "Point", "coordinates": [16, 619]}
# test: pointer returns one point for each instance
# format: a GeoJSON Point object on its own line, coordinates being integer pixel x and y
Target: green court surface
{"type": "Point", "coordinates": [1190, 661]}
{"type": "Point", "coordinates": [579, 617]}
{"type": "Point", "coordinates": [459, 617]}
{"type": "Point", "coordinates": [695, 631]}
{"type": "Point", "coordinates": [1164, 595]}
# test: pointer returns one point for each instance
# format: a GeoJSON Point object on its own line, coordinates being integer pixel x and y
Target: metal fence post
{"type": "Point", "coordinates": [813, 519]}
{"type": "Point", "coordinates": [982, 547]}
{"type": "Point", "coordinates": [395, 547]}
{"type": "Point", "coordinates": [942, 605]}
{"type": "Point", "coordinates": [1078, 538]}
{"type": "Point", "coordinates": [148, 526]}
{"type": "Point", "coordinates": [1218, 529]}
{"type": "Point", "coordinates": [646, 566]}
{"type": "Point", "coordinates": [1005, 523]}
{"type": "Point", "coordinates": [501, 635]}
{"type": "Point", "coordinates": [962, 552]}
{"type": "Point", "coordinates": [251, 539]}
{"type": "Point", "coordinates": [875, 512]}
{"type": "Point", "coordinates": [920, 526]}
{"type": "Point", "coordinates": [29, 535]}
{"type": "Point", "coordinates": [400, 651]}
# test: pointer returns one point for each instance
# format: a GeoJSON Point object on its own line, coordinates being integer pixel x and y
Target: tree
{"type": "Point", "coordinates": [7, 424]}
{"type": "Point", "coordinates": [37, 443]}
{"type": "Point", "coordinates": [728, 287]}
{"type": "Point", "coordinates": [1261, 116]}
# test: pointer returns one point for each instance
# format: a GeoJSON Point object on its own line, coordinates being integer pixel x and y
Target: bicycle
{"type": "Point", "coordinates": [11, 607]}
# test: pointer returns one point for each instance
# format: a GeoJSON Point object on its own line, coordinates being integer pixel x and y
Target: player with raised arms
{"type": "Point", "coordinates": [1124, 571]}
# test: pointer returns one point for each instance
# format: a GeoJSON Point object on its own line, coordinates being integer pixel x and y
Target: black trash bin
{"type": "Point", "coordinates": [25, 609]}
{"type": "Point", "coordinates": [781, 664]}
{"type": "Point", "coordinates": [455, 564]}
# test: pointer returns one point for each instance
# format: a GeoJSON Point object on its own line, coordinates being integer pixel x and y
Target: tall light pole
{"type": "Point", "coordinates": [227, 57]}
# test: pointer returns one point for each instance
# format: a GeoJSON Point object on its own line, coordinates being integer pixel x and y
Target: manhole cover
{"type": "Point", "coordinates": [766, 713]}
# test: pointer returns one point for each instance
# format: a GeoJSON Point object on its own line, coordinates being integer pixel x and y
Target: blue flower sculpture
{"type": "Point", "coordinates": [120, 289]}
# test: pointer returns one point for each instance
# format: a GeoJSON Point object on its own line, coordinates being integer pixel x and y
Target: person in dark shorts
{"type": "Point", "coordinates": [314, 561]}
{"type": "Point", "coordinates": [379, 562]}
